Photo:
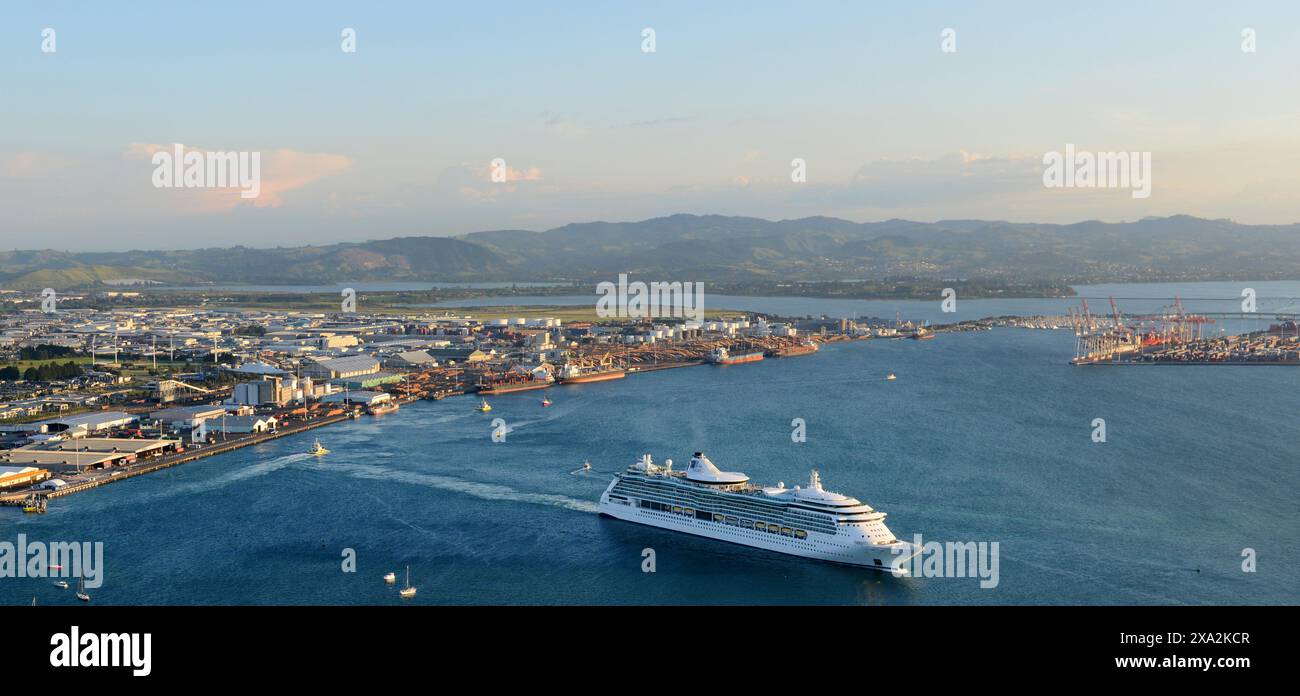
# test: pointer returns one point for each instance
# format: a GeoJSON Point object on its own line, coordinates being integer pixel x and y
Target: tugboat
{"type": "Point", "coordinates": [484, 407]}
{"type": "Point", "coordinates": [318, 450]}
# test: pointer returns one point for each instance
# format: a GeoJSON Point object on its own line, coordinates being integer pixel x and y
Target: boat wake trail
{"type": "Point", "coordinates": [485, 491]}
{"type": "Point", "coordinates": [259, 469]}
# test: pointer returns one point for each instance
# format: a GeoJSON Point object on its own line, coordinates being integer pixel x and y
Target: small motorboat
{"type": "Point", "coordinates": [586, 466]}
{"type": "Point", "coordinates": [891, 377]}
{"type": "Point", "coordinates": [546, 401]}
{"type": "Point", "coordinates": [61, 584]}
{"type": "Point", "coordinates": [390, 578]}
{"type": "Point", "coordinates": [318, 450]}
{"type": "Point", "coordinates": [484, 407]}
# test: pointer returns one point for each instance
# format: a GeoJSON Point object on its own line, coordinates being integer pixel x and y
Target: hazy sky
{"type": "Point", "coordinates": [396, 138]}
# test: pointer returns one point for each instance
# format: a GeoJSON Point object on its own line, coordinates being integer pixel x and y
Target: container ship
{"type": "Point", "coordinates": [808, 521]}
{"type": "Point", "coordinates": [511, 382]}
{"type": "Point", "coordinates": [734, 356]}
{"type": "Point", "coordinates": [790, 350]}
{"type": "Point", "coordinates": [577, 374]}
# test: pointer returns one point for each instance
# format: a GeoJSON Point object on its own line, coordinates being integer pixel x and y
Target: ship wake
{"type": "Point", "coordinates": [484, 491]}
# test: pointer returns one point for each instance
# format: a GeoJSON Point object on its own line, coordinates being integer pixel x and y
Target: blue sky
{"type": "Point", "coordinates": [396, 138]}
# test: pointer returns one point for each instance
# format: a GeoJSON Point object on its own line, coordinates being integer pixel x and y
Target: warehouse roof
{"type": "Point", "coordinates": [350, 363]}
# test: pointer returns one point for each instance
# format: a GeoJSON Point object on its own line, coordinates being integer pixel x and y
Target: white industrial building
{"type": "Point", "coordinates": [341, 368]}
{"type": "Point", "coordinates": [82, 424]}
{"type": "Point", "coordinates": [246, 424]}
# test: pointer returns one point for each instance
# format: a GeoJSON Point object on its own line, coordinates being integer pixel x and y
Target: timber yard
{"type": "Point", "coordinates": [94, 396]}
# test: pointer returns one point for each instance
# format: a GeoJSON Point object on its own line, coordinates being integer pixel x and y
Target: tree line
{"type": "Point", "coordinates": [43, 373]}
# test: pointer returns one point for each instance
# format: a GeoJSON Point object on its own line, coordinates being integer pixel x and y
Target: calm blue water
{"type": "Point", "coordinates": [1134, 298]}
{"type": "Point", "coordinates": [983, 437]}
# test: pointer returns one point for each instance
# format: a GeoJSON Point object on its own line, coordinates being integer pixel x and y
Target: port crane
{"type": "Point", "coordinates": [1094, 343]}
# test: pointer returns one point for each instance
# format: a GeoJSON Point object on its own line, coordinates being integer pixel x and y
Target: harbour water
{"type": "Point", "coordinates": [1133, 298]}
{"type": "Point", "coordinates": [983, 437]}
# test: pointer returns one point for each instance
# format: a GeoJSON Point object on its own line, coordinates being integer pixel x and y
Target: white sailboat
{"type": "Point", "coordinates": [408, 591]}
{"type": "Point", "coordinates": [81, 590]}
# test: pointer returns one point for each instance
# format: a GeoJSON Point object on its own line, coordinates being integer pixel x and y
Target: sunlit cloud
{"type": "Point", "coordinates": [282, 171]}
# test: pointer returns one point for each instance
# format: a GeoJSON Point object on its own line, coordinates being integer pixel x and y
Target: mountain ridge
{"type": "Point", "coordinates": [719, 247]}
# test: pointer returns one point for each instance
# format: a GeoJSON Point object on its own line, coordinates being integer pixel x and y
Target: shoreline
{"type": "Point", "coordinates": [105, 477]}
{"type": "Point", "coordinates": [15, 499]}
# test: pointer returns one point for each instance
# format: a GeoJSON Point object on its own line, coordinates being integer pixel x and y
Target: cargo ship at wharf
{"type": "Point", "coordinates": [581, 372]}
{"type": "Point", "coordinates": [735, 355]}
{"type": "Point", "coordinates": [792, 349]}
{"type": "Point", "coordinates": [511, 382]}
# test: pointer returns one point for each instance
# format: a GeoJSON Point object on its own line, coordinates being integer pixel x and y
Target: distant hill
{"type": "Point", "coordinates": [718, 248]}
{"type": "Point", "coordinates": [737, 248]}
{"type": "Point", "coordinates": [403, 258]}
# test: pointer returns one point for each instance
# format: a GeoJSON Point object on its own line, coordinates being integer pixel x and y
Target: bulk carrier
{"type": "Point", "coordinates": [591, 370]}
{"type": "Point", "coordinates": [734, 355]}
{"type": "Point", "coordinates": [573, 374]}
{"type": "Point", "coordinates": [789, 350]}
{"type": "Point", "coordinates": [511, 382]}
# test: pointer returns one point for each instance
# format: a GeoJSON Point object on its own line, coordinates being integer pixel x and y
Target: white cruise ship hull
{"type": "Point", "coordinates": [832, 548]}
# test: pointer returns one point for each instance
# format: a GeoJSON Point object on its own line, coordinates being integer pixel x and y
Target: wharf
{"type": "Point", "coordinates": [663, 366]}
{"type": "Point", "coordinates": [168, 461]}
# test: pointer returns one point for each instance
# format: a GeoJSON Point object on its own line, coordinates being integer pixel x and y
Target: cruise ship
{"type": "Point", "coordinates": [802, 521]}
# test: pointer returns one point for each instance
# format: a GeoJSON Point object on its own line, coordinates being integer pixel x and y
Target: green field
{"type": "Point", "coordinates": [24, 364]}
